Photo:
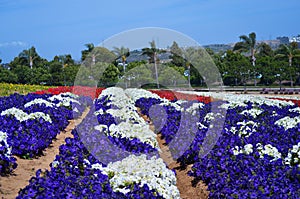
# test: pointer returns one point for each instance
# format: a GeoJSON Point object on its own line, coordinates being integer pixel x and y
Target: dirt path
{"type": "Point", "coordinates": [10, 185]}
{"type": "Point", "coordinates": [184, 181]}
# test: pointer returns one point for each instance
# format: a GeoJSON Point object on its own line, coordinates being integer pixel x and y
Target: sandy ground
{"type": "Point", "coordinates": [10, 185]}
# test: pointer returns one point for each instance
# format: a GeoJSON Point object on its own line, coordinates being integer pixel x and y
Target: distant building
{"type": "Point", "coordinates": [219, 47]}
{"type": "Point", "coordinates": [283, 40]}
{"type": "Point", "coordinates": [295, 39]}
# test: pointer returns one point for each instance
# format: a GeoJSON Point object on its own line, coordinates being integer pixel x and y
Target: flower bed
{"type": "Point", "coordinates": [257, 155]}
{"type": "Point", "coordinates": [76, 173]}
{"type": "Point", "coordinates": [30, 123]}
{"type": "Point", "coordinates": [114, 155]}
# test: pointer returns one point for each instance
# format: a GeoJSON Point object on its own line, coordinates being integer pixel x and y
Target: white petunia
{"type": "Point", "coordinates": [22, 116]}
{"type": "Point", "coordinates": [138, 169]}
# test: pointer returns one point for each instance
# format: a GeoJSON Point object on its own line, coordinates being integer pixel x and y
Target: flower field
{"type": "Point", "coordinates": [253, 153]}
{"type": "Point", "coordinates": [8, 89]}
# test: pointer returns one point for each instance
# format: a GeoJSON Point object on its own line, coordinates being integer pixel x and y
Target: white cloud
{"type": "Point", "coordinates": [13, 43]}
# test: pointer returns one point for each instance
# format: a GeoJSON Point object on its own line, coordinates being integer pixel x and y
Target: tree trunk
{"type": "Point", "coordinates": [124, 69]}
{"type": "Point", "coordinates": [30, 62]}
{"type": "Point", "coordinates": [290, 65]}
{"type": "Point", "coordinates": [156, 73]}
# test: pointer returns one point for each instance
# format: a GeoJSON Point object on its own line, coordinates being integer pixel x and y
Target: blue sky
{"type": "Point", "coordinates": [57, 27]}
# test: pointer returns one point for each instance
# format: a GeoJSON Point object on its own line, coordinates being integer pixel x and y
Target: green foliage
{"type": "Point", "coordinates": [109, 76]}
{"type": "Point", "coordinates": [23, 74]}
{"type": "Point", "coordinates": [7, 76]}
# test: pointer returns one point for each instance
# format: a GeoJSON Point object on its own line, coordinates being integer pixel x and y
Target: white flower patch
{"type": "Point", "coordinates": [136, 94]}
{"type": "Point", "coordinates": [39, 101]}
{"type": "Point", "coordinates": [248, 149]}
{"type": "Point", "coordinates": [126, 114]}
{"type": "Point", "coordinates": [102, 128]}
{"type": "Point", "coordinates": [137, 169]}
{"type": "Point", "coordinates": [241, 100]}
{"type": "Point", "coordinates": [232, 105]}
{"type": "Point", "coordinates": [211, 116]}
{"type": "Point", "coordinates": [99, 112]}
{"type": "Point", "coordinates": [288, 122]}
{"type": "Point", "coordinates": [3, 137]}
{"type": "Point", "coordinates": [64, 101]}
{"type": "Point", "coordinates": [245, 128]}
{"type": "Point", "coordinates": [293, 157]}
{"type": "Point", "coordinates": [128, 130]}
{"type": "Point", "coordinates": [195, 108]}
{"type": "Point", "coordinates": [22, 116]}
{"type": "Point", "coordinates": [254, 112]}
{"type": "Point", "coordinates": [297, 110]}
{"type": "Point", "coordinates": [175, 105]}
{"type": "Point", "coordinates": [131, 124]}
{"type": "Point", "coordinates": [268, 150]}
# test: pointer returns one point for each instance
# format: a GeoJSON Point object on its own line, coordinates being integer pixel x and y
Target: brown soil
{"type": "Point", "coordinates": [10, 185]}
{"type": "Point", "coordinates": [184, 181]}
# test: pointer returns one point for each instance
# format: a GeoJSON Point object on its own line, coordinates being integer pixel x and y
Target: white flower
{"type": "Point", "coordinates": [141, 132]}
{"type": "Point", "coordinates": [64, 99]}
{"type": "Point", "coordinates": [288, 122]}
{"type": "Point", "coordinates": [293, 156]}
{"type": "Point", "coordinates": [268, 150]}
{"type": "Point", "coordinates": [136, 94]}
{"type": "Point", "coordinates": [253, 112]}
{"type": "Point", "coordinates": [245, 128]}
{"type": "Point", "coordinates": [194, 108]}
{"type": "Point", "coordinates": [248, 149]}
{"type": "Point", "coordinates": [39, 101]}
{"type": "Point", "coordinates": [3, 138]}
{"type": "Point", "coordinates": [22, 116]}
{"type": "Point", "coordinates": [137, 169]}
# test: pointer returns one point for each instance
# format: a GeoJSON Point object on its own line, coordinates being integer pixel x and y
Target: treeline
{"type": "Point", "coordinates": [247, 63]}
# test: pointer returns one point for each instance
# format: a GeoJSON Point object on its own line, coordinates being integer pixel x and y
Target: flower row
{"type": "Point", "coordinates": [255, 151]}
{"type": "Point", "coordinates": [29, 123]}
{"type": "Point", "coordinates": [102, 161]}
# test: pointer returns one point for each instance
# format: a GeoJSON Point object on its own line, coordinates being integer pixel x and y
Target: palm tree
{"type": "Point", "coordinates": [29, 55]}
{"type": "Point", "coordinates": [152, 53]}
{"type": "Point", "coordinates": [122, 53]}
{"type": "Point", "coordinates": [247, 44]}
{"type": "Point", "coordinates": [290, 51]}
{"type": "Point", "coordinates": [85, 53]}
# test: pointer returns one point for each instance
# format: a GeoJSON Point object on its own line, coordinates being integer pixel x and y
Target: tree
{"type": "Point", "coordinates": [30, 55]}
{"type": "Point", "coordinates": [152, 53]}
{"type": "Point", "coordinates": [237, 69]}
{"type": "Point", "coordinates": [85, 53]}
{"type": "Point", "coordinates": [265, 50]}
{"type": "Point", "coordinates": [290, 51]}
{"type": "Point", "coordinates": [97, 54]}
{"type": "Point", "coordinates": [23, 74]}
{"type": "Point", "coordinates": [171, 76]}
{"type": "Point", "coordinates": [122, 53]}
{"type": "Point", "coordinates": [247, 43]}
{"type": "Point", "coordinates": [109, 76]}
{"type": "Point", "coordinates": [177, 55]}
{"type": "Point", "coordinates": [56, 71]}
{"type": "Point", "coordinates": [7, 76]}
